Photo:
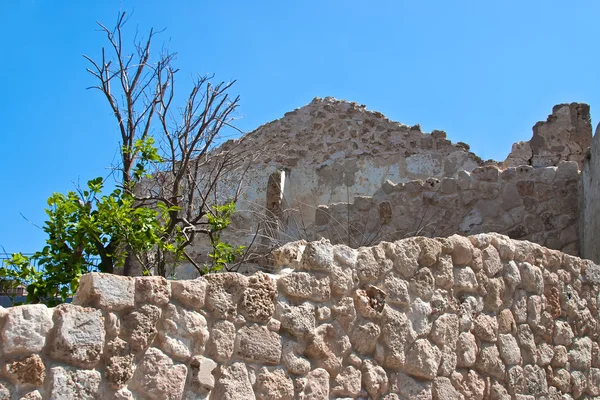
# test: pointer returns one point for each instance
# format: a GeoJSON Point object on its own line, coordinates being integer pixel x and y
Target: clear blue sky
{"type": "Point", "coordinates": [483, 71]}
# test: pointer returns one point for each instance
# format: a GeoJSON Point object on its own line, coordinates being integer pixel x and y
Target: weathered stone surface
{"type": "Point", "coordinates": [222, 341]}
{"type": "Point", "coordinates": [423, 359]}
{"type": "Point", "coordinates": [67, 384]}
{"type": "Point", "coordinates": [140, 326]}
{"type": "Point", "coordinates": [462, 250]}
{"type": "Point", "coordinates": [443, 389]}
{"type": "Point", "coordinates": [35, 395]}
{"type": "Point", "coordinates": [119, 363]}
{"type": "Point", "coordinates": [445, 331]}
{"type": "Point", "coordinates": [30, 370]}
{"type": "Point", "coordinates": [396, 337]}
{"type": "Point", "coordinates": [410, 388]}
{"type": "Point", "coordinates": [470, 384]}
{"type": "Point", "coordinates": [347, 382]}
{"type": "Point", "coordinates": [563, 334]}
{"type": "Point", "coordinates": [374, 379]}
{"type": "Point", "coordinates": [443, 272]}
{"type": "Point", "coordinates": [157, 378]}
{"type": "Point", "coordinates": [223, 294]}
{"type": "Point", "coordinates": [297, 320]}
{"type": "Point", "coordinates": [79, 337]}
{"type": "Point", "coordinates": [419, 317]}
{"type": "Point", "coordinates": [258, 301]}
{"type": "Point", "coordinates": [486, 328]}
{"type": "Point", "coordinates": [234, 384]}
{"type": "Point", "coordinates": [292, 360]}
{"type": "Point", "coordinates": [26, 328]}
{"type": "Point", "coordinates": [316, 386]}
{"type": "Point", "coordinates": [106, 291]}
{"type": "Point", "coordinates": [256, 343]}
{"type": "Point", "coordinates": [532, 278]}
{"type": "Point", "coordinates": [406, 257]}
{"type": "Point", "coordinates": [466, 350]}
{"type": "Point", "coordinates": [580, 354]}
{"type": "Point", "coordinates": [465, 280]}
{"type": "Point", "coordinates": [183, 333]}
{"type": "Point", "coordinates": [364, 338]}
{"type": "Point", "coordinates": [152, 290]}
{"type": "Point", "coordinates": [318, 256]}
{"type": "Point", "coordinates": [274, 385]}
{"type": "Point", "coordinates": [372, 264]}
{"type": "Point", "coordinates": [327, 348]}
{"type": "Point", "coordinates": [489, 362]}
{"type": "Point", "coordinates": [191, 293]}
{"type": "Point", "coordinates": [509, 349]}
{"type": "Point", "coordinates": [306, 286]}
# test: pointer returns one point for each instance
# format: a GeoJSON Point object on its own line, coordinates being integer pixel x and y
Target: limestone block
{"type": "Point", "coordinates": [563, 334]}
{"type": "Point", "coordinates": [445, 331]}
{"type": "Point", "coordinates": [157, 378]}
{"type": "Point", "coordinates": [223, 294]}
{"type": "Point", "coordinates": [347, 383]}
{"type": "Point", "coordinates": [318, 256]}
{"type": "Point", "coordinates": [297, 320]}
{"type": "Point", "coordinates": [222, 341]}
{"type": "Point", "coordinates": [534, 379]}
{"type": "Point", "coordinates": [80, 335]}
{"type": "Point", "coordinates": [343, 280]}
{"type": "Point", "coordinates": [374, 379]}
{"type": "Point", "coordinates": [35, 395]}
{"type": "Point", "coordinates": [396, 289]}
{"type": "Point", "coordinates": [316, 386]}
{"type": "Point", "coordinates": [256, 343]}
{"type": "Point", "coordinates": [422, 284]}
{"type": "Point", "coordinates": [363, 338]}
{"type": "Point", "coordinates": [443, 389]}
{"type": "Point", "coordinates": [470, 384]}
{"type": "Point", "coordinates": [26, 328]}
{"type": "Point", "coordinates": [234, 384]}
{"type": "Point", "coordinates": [292, 360]}
{"type": "Point", "coordinates": [466, 350]}
{"type": "Point", "coordinates": [183, 333]}
{"type": "Point", "coordinates": [275, 385]}
{"type": "Point", "coordinates": [73, 384]}
{"type": "Point", "coordinates": [419, 317]}
{"type": "Point", "coordinates": [152, 290]}
{"type": "Point", "coordinates": [527, 344]}
{"type": "Point", "coordinates": [512, 275]}
{"type": "Point", "coordinates": [486, 328]}
{"type": "Point", "coordinates": [443, 272]}
{"type": "Point", "coordinates": [430, 251]}
{"type": "Point", "coordinates": [327, 348]}
{"type": "Point", "coordinates": [190, 293]}
{"type": "Point", "coordinates": [465, 280]}
{"type": "Point", "coordinates": [506, 322]}
{"type": "Point", "coordinates": [304, 285]}
{"type": "Point", "coordinates": [545, 354]}
{"type": "Point", "coordinates": [405, 257]}
{"type": "Point", "coordinates": [106, 291]}
{"type": "Point", "coordinates": [423, 359]}
{"type": "Point", "coordinates": [372, 264]}
{"type": "Point", "coordinates": [462, 250]}
{"type": "Point", "coordinates": [532, 278]}
{"type": "Point", "coordinates": [509, 349]}
{"type": "Point", "coordinates": [489, 361]}
{"type": "Point", "coordinates": [580, 354]}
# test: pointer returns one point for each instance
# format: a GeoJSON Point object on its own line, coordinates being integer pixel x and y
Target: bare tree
{"type": "Point", "coordinates": [190, 174]}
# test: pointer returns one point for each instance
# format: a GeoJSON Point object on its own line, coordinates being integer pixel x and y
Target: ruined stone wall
{"type": "Point", "coordinates": [590, 202]}
{"type": "Point", "coordinates": [564, 136]}
{"type": "Point", "coordinates": [480, 317]}
{"type": "Point", "coordinates": [535, 204]}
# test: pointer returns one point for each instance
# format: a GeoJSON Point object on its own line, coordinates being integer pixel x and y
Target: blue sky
{"type": "Point", "coordinates": [483, 71]}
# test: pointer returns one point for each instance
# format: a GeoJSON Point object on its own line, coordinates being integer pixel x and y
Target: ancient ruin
{"type": "Point", "coordinates": [407, 268]}
{"type": "Point", "coordinates": [333, 169]}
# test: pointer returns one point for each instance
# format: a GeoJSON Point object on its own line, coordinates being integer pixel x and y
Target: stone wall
{"type": "Point", "coordinates": [319, 158]}
{"type": "Point", "coordinates": [564, 136]}
{"type": "Point", "coordinates": [535, 204]}
{"type": "Point", "coordinates": [480, 317]}
{"type": "Point", "coordinates": [590, 202]}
